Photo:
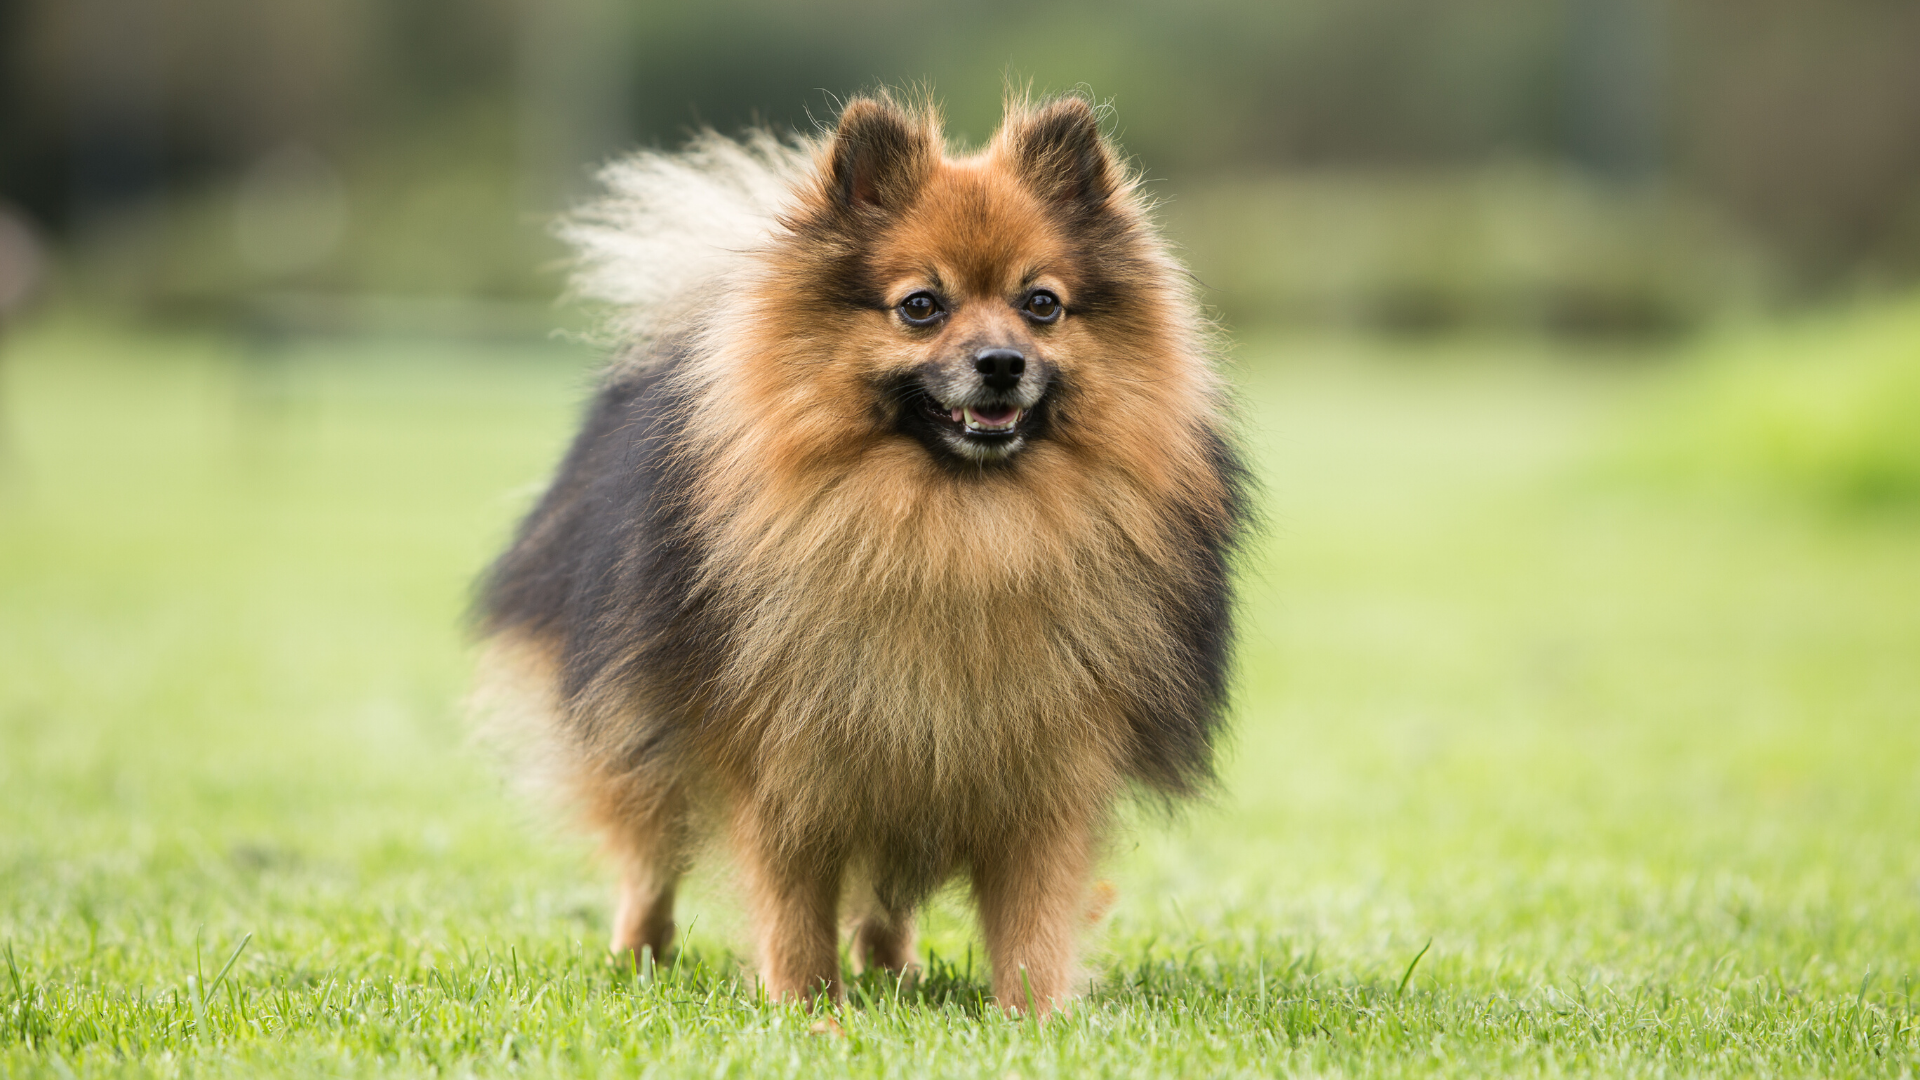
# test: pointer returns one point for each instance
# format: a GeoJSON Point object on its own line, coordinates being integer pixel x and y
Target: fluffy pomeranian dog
{"type": "Point", "coordinates": [895, 547]}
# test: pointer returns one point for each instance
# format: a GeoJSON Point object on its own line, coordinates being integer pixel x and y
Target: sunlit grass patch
{"type": "Point", "coordinates": [1529, 778]}
{"type": "Point", "coordinates": [1825, 409]}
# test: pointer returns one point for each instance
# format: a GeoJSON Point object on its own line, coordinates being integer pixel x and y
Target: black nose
{"type": "Point", "coordinates": [1001, 368]}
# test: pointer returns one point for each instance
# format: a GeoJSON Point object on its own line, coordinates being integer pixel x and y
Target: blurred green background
{"type": "Point", "coordinates": [1577, 345]}
{"type": "Point", "coordinates": [1618, 167]}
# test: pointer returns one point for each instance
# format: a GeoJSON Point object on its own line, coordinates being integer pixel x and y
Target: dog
{"type": "Point", "coordinates": [896, 545]}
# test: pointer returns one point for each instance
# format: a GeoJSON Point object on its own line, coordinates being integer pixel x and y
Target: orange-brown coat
{"type": "Point", "coordinates": [777, 595]}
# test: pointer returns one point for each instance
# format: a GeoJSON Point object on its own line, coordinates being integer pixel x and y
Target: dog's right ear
{"type": "Point", "coordinates": [881, 155]}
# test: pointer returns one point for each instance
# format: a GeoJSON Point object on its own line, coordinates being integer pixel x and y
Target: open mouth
{"type": "Point", "coordinates": [980, 431]}
{"type": "Point", "coordinates": [987, 420]}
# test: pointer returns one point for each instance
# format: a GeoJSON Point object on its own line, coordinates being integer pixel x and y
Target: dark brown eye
{"type": "Point", "coordinates": [1043, 306]}
{"type": "Point", "coordinates": [920, 309]}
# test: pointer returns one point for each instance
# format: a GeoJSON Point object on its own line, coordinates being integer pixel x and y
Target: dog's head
{"type": "Point", "coordinates": [978, 302]}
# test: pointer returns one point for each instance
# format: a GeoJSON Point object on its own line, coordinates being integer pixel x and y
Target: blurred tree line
{"type": "Point", "coordinates": [1581, 165]}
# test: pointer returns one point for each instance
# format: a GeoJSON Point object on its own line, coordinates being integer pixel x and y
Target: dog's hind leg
{"type": "Point", "coordinates": [649, 839]}
{"type": "Point", "coordinates": [884, 939]}
{"type": "Point", "coordinates": [1032, 894]}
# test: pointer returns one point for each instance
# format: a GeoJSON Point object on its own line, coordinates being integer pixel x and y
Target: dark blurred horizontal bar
{"type": "Point", "coordinates": [297, 314]}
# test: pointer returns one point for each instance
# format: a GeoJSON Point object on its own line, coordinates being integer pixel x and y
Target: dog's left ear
{"type": "Point", "coordinates": [1059, 150]}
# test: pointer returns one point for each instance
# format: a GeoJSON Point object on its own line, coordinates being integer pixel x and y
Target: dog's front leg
{"type": "Point", "coordinates": [794, 897]}
{"type": "Point", "coordinates": [1032, 897]}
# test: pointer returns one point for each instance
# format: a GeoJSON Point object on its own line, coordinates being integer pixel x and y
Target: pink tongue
{"type": "Point", "coordinates": [994, 419]}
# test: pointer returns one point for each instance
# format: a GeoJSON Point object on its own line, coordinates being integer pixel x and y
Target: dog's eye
{"type": "Point", "coordinates": [921, 308]}
{"type": "Point", "coordinates": [1043, 306]}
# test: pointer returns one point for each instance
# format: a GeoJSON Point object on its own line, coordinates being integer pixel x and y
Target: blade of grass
{"type": "Point", "coordinates": [1414, 964]}
{"type": "Point", "coordinates": [228, 966]}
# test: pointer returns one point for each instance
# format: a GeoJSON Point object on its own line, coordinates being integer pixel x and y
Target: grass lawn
{"type": "Point", "coordinates": [1633, 772]}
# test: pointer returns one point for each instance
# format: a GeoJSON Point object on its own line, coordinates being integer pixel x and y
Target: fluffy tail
{"type": "Point", "coordinates": [671, 223]}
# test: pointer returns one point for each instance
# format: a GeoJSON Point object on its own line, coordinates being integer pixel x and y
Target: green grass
{"type": "Point", "coordinates": [1824, 411]}
{"type": "Point", "coordinates": [1643, 768]}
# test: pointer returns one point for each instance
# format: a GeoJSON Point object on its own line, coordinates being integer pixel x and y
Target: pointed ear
{"type": "Point", "coordinates": [1059, 150]}
{"type": "Point", "coordinates": [880, 155]}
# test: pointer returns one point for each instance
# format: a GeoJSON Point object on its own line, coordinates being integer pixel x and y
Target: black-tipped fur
{"type": "Point", "coordinates": [605, 566]}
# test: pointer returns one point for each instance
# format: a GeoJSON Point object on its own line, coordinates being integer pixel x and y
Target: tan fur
{"type": "Point", "coordinates": [915, 650]}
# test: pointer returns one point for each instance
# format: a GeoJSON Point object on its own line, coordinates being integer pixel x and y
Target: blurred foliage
{"type": "Point", "coordinates": [1826, 409]}
{"type": "Point", "coordinates": [428, 218]}
{"type": "Point", "coordinates": [1503, 246]}
{"type": "Point", "coordinates": [1671, 158]}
